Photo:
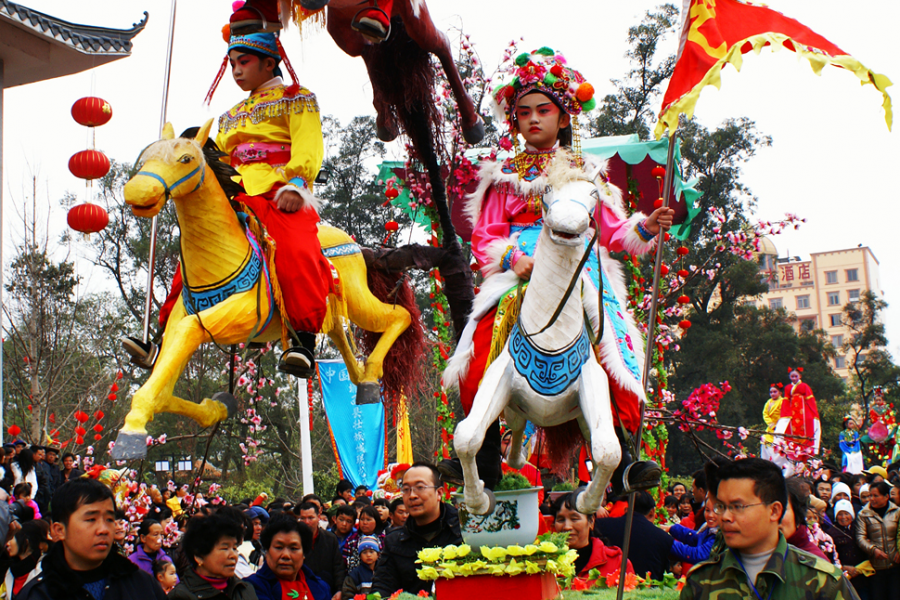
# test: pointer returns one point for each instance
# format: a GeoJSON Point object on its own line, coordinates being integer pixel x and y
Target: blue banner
{"type": "Point", "coordinates": [358, 430]}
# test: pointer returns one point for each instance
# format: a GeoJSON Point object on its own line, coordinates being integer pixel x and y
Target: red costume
{"type": "Point", "coordinates": [800, 417]}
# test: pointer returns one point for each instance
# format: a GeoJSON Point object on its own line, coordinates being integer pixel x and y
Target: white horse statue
{"type": "Point", "coordinates": [558, 360]}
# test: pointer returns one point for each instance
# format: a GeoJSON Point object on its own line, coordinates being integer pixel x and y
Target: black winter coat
{"type": "Point", "coordinates": [194, 587]}
{"type": "Point", "coordinates": [396, 567]}
{"type": "Point", "coordinates": [326, 561]}
{"type": "Point", "coordinates": [124, 581]}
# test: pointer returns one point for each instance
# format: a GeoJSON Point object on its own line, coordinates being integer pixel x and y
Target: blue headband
{"type": "Point", "coordinates": [264, 43]}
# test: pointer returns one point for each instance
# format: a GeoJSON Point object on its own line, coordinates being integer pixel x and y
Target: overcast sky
{"type": "Point", "coordinates": [833, 160]}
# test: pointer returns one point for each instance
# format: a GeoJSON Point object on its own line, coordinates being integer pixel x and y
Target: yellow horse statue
{"type": "Point", "coordinates": [216, 249]}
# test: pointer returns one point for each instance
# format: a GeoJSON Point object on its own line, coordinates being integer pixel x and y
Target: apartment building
{"type": "Point", "coordinates": [817, 289]}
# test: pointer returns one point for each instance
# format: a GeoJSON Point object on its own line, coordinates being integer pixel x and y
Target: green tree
{"type": "Point", "coordinates": [631, 108]}
{"type": "Point", "coordinates": [866, 350]}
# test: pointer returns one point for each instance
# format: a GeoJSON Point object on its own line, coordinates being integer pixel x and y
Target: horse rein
{"type": "Point", "coordinates": [169, 189]}
{"type": "Point", "coordinates": [576, 277]}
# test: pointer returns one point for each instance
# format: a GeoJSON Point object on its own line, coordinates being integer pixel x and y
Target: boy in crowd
{"type": "Point", "coordinates": [359, 580]}
{"type": "Point", "coordinates": [82, 565]}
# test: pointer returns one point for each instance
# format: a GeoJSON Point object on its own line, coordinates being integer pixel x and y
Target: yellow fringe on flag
{"type": "Point", "coordinates": [404, 440]}
{"type": "Point", "coordinates": [687, 103]}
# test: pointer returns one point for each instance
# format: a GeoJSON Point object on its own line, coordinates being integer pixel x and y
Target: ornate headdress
{"type": "Point", "coordinates": [267, 44]}
{"type": "Point", "coordinates": [544, 71]}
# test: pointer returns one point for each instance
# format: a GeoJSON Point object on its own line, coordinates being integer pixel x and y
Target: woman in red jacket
{"type": "Point", "coordinates": [592, 552]}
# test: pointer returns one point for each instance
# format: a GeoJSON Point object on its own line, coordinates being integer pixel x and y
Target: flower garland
{"type": "Point", "coordinates": [549, 554]}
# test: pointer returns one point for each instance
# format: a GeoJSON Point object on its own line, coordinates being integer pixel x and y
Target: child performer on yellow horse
{"type": "Point", "coordinates": [274, 141]}
{"type": "Point", "coordinates": [542, 104]}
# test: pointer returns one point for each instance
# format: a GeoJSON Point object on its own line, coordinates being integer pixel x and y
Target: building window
{"type": "Point", "coordinates": [834, 298]}
{"type": "Point", "coordinates": [802, 302]}
{"type": "Point", "coordinates": [807, 325]}
{"type": "Point", "coordinates": [835, 320]}
{"type": "Point", "coordinates": [830, 276]}
{"type": "Point", "coordinates": [852, 274]}
{"type": "Point", "coordinates": [776, 303]}
{"type": "Point", "coordinates": [185, 464]}
{"type": "Point", "coordinates": [839, 362]}
{"type": "Point", "coordinates": [162, 465]}
{"type": "Point", "coordinates": [853, 295]}
{"type": "Point", "coordinates": [837, 341]}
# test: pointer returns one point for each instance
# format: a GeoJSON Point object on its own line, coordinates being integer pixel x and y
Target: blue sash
{"type": "Point", "coordinates": [615, 314]}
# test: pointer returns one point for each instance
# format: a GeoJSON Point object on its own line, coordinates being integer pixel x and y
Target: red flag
{"type": "Point", "coordinates": [717, 32]}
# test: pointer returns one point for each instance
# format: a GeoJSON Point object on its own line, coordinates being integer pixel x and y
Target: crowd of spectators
{"type": "Point", "coordinates": [66, 538]}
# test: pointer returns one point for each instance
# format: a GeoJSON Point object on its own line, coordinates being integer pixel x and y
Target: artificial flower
{"type": "Point", "coordinates": [532, 568]}
{"type": "Point", "coordinates": [530, 549]}
{"type": "Point", "coordinates": [430, 555]}
{"type": "Point", "coordinates": [514, 568]}
{"type": "Point", "coordinates": [427, 573]}
{"type": "Point", "coordinates": [494, 554]}
{"type": "Point", "coordinates": [548, 547]}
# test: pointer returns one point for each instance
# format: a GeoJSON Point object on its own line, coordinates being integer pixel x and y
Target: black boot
{"type": "Point", "coordinates": [143, 354]}
{"type": "Point", "coordinates": [300, 360]}
{"type": "Point", "coordinates": [631, 476]}
{"type": "Point", "coordinates": [488, 460]}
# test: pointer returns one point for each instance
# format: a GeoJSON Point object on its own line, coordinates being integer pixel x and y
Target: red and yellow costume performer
{"type": "Point", "coordinates": [882, 431]}
{"type": "Point", "coordinates": [771, 416]}
{"type": "Point", "coordinates": [800, 418]}
{"type": "Point", "coordinates": [274, 141]}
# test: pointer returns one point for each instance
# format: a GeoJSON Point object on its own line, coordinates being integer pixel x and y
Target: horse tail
{"type": "Point", "coordinates": [559, 443]}
{"type": "Point", "coordinates": [405, 361]}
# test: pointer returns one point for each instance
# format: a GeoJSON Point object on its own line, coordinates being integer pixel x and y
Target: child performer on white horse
{"type": "Point", "coordinates": [542, 104]}
{"type": "Point", "coordinates": [273, 138]}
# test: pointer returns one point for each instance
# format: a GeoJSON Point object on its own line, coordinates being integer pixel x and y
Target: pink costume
{"type": "Point", "coordinates": [506, 211]}
{"type": "Point", "coordinates": [800, 417]}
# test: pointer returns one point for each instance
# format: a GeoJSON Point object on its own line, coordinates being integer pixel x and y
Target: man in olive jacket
{"type": "Point", "coordinates": [431, 524]}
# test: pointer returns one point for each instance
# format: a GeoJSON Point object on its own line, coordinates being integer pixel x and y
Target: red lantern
{"type": "Point", "coordinates": [81, 416]}
{"type": "Point", "coordinates": [79, 440]}
{"type": "Point", "coordinates": [683, 272]}
{"type": "Point", "coordinates": [391, 193]}
{"type": "Point", "coordinates": [685, 324]}
{"type": "Point", "coordinates": [91, 111]}
{"type": "Point", "coordinates": [658, 203]}
{"type": "Point", "coordinates": [119, 375]}
{"type": "Point", "coordinates": [112, 397]}
{"type": "Point", "coordinates": [663, 269]}
{"type": "Point", "coordinates": [80, 430]}
{"type": "Point", "coordinates": [682, 251]}
{"type": "Point", "coordinates": [89, 164]}
{"type": "Point", "coordinates": [658, 172]}
{"type": "Point", "coordinates": [99, 415]}
{"type": "Point", "coordinates": [88, 218]}
{"type": "Point", "coordinates": [683, 299]}
{"type": "Point", "coordinates": [392, 226]}
{"type": "Point", "coordinates": [14, 430]}
{"type": "Point", "coordinates": [98, 437]}
{"type": "Point", "coordinates": [114, 388]}
{"type": "Point", "coordinates": [98, 427]}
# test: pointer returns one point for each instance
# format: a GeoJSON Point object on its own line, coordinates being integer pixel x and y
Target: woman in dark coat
{"type": "Point", "coordinates": [210, 548]}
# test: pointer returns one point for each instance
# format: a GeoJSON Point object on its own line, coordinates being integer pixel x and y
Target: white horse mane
{"type": "Point", "coordinates": [564, 169]}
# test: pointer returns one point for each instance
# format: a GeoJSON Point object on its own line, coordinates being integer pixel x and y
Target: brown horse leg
{"type": "Point", "coordinates": [353, 44]}
{"type": "Point", "coordinates": [423, 32]}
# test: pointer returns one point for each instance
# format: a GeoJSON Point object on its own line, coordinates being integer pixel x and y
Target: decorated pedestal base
{"type": "Point", "coordinates": [540, 586]}
{"type": "Point", "coordinates": [514, 520]}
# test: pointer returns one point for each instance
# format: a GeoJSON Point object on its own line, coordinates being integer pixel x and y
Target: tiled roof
{"type": "Point", "coordinates": [85, 38]}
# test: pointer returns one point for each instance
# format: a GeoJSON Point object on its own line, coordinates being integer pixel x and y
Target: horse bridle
{"type": "Point", "coordinates": [168, 189]}
{"type": "Point", "coordinates": [576, 276]}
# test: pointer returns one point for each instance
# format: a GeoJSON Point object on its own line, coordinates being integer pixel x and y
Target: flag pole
{"type": "Point", "coordinates": [151, 261]}
{"type": "Point", "coordinates": [648, 359]}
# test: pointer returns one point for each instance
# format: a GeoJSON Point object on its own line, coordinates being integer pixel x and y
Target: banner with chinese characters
{"type": "Point", "coordinates": [357, 432]}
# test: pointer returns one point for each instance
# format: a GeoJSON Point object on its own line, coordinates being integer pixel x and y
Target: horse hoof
{"type": "Point", "coordinates": [228, 401]}
{"type": "Point", "coordinates": [474, 134]}
{"type": "Point", "coordinates": [129, 446]}
{"type": "Point", "coordinates": [486, 505]}
{"type": "Point", "coordinates": [582, 506]}
{"type": "Point", "coordinates": [368, 392]}
{"type": "Point", "coordinates": [143, 354]}
{"type": "Point", "coordinates": [314, 4]}
{"type": "Point", "coordinates": [385, 134]}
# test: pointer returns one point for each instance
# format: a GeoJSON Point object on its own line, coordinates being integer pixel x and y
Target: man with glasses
{"type": "Point", "coordinates": [431, 523]}
{"type": "Point", "coordinates": [758, 563]}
